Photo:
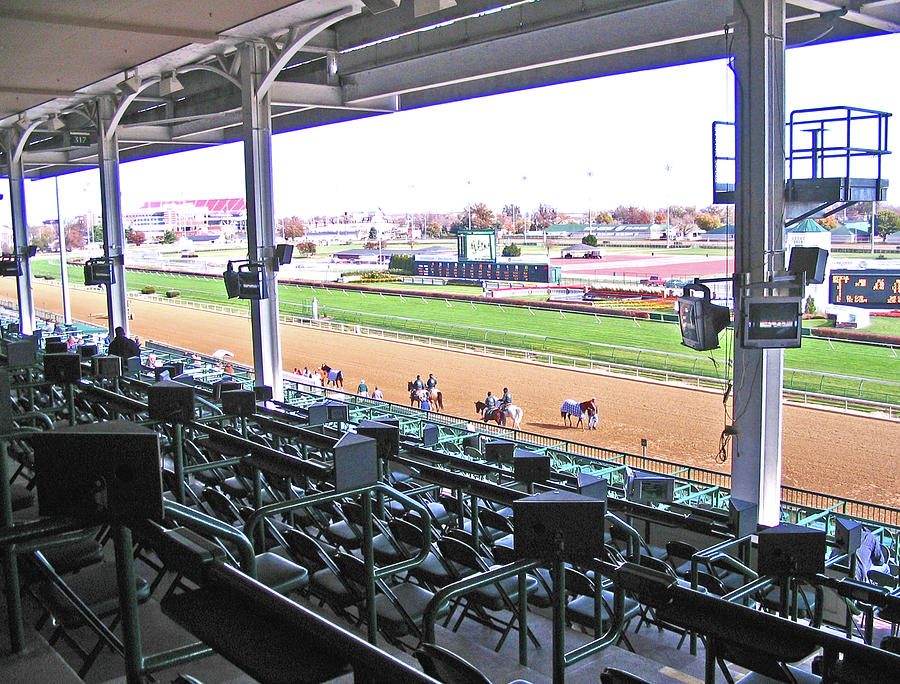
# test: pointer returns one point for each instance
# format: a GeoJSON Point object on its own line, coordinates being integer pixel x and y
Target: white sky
{"type": "Point", "coordinates": [597, 144]}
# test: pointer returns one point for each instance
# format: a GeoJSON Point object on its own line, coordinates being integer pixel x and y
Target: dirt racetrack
{"type": "Point", "coordinates": [825, 451]}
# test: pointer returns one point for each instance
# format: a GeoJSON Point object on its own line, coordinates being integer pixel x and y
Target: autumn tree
{"type": "Point", "coordinates": [828, 222]}
{"type": "Point", "coordinates": [708, 221]}
{"type": "Point", "coordinates": [137, 237]}
{"type": "Point", "coordinates": [42, 237]}
{"type": "Point", "coordinates": [887, 222]}
{"type": "Point", "coordinates": [544, 217]}
{"type": "Point", "coordinates": [632, 215]}
{"type": "Point", "coordinates": [292, 227]}
{"type": "Point", "coordinates": [75, 234]}
{"type": "Point", "coordinates": [604, 218]}
{"type": "Point", "coordinates": [482, 217]}
{"type": "Point", "coordinates": [433, 230]}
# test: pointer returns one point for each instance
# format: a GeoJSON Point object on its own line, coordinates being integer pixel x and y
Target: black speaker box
{"type": "Point", "coordinates": [283, 253]}
{"type": "Point", "coordinates": [531, 467]}
{"type": "Point", "coordinates": [386, 436]}
{"type": "Point", "coordinates": [86, 351]}
{"type": "Point", "coordinates": [171, 402]}
{"type": "Point", "coordinates": [431, 434]}
{"type": "Point", "coordinates": [224, 386]}
{"type": "Point", "coordinates": [559, 526]}
{"type": "Point", "coordinates": [239, 403]}
{"type": "Point", "coordinates": [62, 368]}
{"type": "Point", "coordinates": [848, 533]}
{"type": "Point", "coordinates": [788, 549]}
{"type": "Point", "coordinates": [6, 412]}
{"type": "Point", "coordinates": [133, 364]}
{"type": "Point", "coordinates": [355, 462]}
{"type": "Point", "coordinates": [742, 517]}
{"type": "Point", "coordinates": [388, 420]}
{"type": "Point", "coordinates": [21, 353]}
{"type": "Point", "coordinates": [811, 260]}
{"type": "Point", "coordinates": [499, 451]}
{"type": "Point", "coordinates": [108, 471]}
{"type": "Point", "coordinates": [106, 367]}
{"type": "Point", "coordinates": [173, 368]}
{"type": "Point", "coordinates": [263, 393]}
{"type": "Point", "coordinates": [592, 486]}
{"type": "Point", "coordinates": [55, 347]}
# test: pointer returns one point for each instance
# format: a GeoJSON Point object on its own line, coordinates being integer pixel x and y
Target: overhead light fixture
{"type": "Point", "coordinates": [131, 84]}
{"type": "Point", "coordinates": [55, 123]}
{"type": "Point", "coordinates": [169, 85]}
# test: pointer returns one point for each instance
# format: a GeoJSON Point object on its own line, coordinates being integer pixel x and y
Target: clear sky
{"type": "Point", "coordinates": [591, 144]}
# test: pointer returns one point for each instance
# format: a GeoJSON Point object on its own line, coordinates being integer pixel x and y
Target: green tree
{"type": "Point", "coordinates": [590, 240]}
{"type": "Point", "coordinates": [512, 251]}
{"type": "Point", "coordinates": [168, 238]}
{"type": "Point", "coordinates": [98, 234]}
{"type": "Point", "coordinates": [887, 222]}
{"type": "Point", "coordinates": [403, 263]}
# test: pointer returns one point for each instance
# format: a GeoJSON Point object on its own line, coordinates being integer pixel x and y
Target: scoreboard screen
{"type": "Point", "coordinates": [872, 289]}
{"type": "Point", "coordinates": [480, 270]}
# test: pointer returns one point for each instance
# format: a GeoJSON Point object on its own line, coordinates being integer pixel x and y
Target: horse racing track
{"type": "Point", "coordinates": [842, 454]}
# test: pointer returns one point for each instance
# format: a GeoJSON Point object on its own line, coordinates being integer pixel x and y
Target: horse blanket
{"type": "Point", "coordinates": [333, 375]}
{"type": "Point", "coordinates": [572, 408]}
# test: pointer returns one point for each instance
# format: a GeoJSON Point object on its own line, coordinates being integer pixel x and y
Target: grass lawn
{"type": "Point", "coordinates": [647, 343]}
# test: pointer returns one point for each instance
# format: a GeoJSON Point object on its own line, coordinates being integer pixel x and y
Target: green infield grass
{"type": "Point", "coordinates": [651, 344]}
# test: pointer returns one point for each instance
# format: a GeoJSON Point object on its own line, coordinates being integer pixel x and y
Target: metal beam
{"type": "Point", "coordinates": [27, 315]}
{"type": "Point", "coordinates": [759, 248]}
{"type": "Point", "coordinates": [857, 17]}
{"type": "Point", "coordinates": [257, 134]}
{"type": "Point", "coordinates": [111, 207]}
{"type": "Point", "coordinates": [290, 94]}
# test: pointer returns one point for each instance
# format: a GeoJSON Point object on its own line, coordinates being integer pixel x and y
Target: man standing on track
{"type": "Point", "coordinates": [377, 393]}
{"type": "Point", "coordinates": [363, 389]}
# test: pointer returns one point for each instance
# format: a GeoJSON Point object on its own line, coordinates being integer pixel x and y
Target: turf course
{"type": "Point", "coordinates": [650, 344]}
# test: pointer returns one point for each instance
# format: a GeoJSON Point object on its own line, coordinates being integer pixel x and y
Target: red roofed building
{"type": "Point", "coordinates": [185, 217]}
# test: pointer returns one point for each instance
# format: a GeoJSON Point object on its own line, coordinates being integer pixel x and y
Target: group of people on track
{"type": "Point", "coordinates": [363, 391]}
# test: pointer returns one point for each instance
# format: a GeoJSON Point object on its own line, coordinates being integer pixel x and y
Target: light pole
{"type": "Point", "coordinates": [668, 201]}
{"type": "Point", "coordinates": [469, 200]}
{"type": "Point", "coordinates": [590, 175]}
{"type": "Point", "coordinates": [63, 271]}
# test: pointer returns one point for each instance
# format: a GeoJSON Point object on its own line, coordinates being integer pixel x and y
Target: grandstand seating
{"type": "Point", "coordinates": [252, 515]}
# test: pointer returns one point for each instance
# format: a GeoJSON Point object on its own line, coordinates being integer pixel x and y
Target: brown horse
{"type": "Point", "coordinates": [330, 376]}
{"type": "Point", "coordinates": [570, 408]}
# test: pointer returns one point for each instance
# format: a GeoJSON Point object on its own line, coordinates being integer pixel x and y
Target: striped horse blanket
{"type": "Point", "coordinates": [333, 375]}
{"type": "Point", "coordinates": [571, 407]}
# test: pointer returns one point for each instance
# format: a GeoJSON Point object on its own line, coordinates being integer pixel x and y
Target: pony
{"type": "Point", "coordinates": [570, 408]}
{"type": "Point", "coordinates": [499, 414]}
{"type": "Point", "coordinates": [330, 376]}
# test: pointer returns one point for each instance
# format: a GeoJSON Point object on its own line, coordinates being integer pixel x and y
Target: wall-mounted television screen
{"type": "Point", "coordinates": [701, 321]}
{"type": "Point", "coordinates": [644, 487]}
{"type": "Point", "coordinates": [771, 322]}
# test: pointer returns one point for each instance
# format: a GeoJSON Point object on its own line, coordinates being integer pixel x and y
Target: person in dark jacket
{"type": "Point", "coordinates": [122, 346]}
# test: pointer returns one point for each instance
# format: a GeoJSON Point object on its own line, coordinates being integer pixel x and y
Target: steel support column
{"type": "Point", "coordinates": [27, 319]}
{"type": "Point", "coordinates": [257, 133]}
{"type": "Point", "coordinates": [759, 245]}
{"type": "Point", "coordinates": [111, 201]}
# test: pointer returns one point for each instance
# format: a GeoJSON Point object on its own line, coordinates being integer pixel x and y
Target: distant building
{"type": "Point", "coordinates": [184, 217]}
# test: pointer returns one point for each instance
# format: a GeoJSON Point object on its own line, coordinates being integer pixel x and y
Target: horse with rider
{"type": "Point", "coordinates": [497, 410]}
{"type": "Point", "coordinates": [425, 394]}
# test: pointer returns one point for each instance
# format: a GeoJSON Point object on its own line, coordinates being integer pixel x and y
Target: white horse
{"type": "Point", "coordinates": [515, 413]}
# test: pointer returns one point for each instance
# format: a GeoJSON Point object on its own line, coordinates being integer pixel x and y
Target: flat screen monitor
{"type": "Point", "coordinates": [106, 367]}
{"type": "Point", "coordinates": [701, 321]}
{"type": "Point", "coordinates": [649, 488]}
{"type": "Point", "coordinates": [62, 368]}
{"type": "Point", "coordinates": [772, 322]}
